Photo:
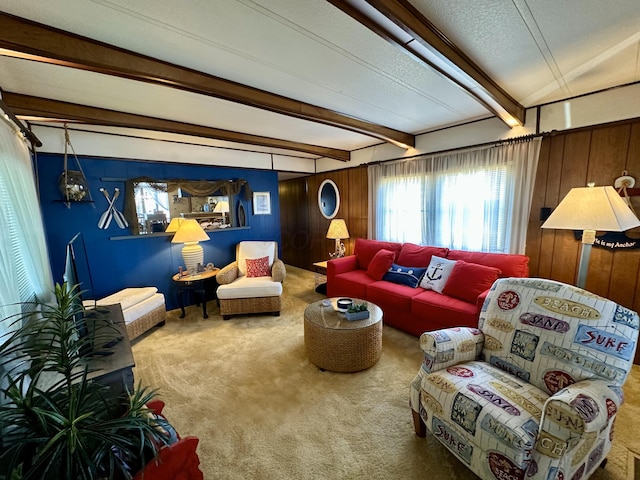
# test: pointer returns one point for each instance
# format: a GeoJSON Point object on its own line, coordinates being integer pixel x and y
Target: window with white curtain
{"type": "Point", "coordinates": [472, 210]}
{"type": "Point", "coordinates": [475, 200]}
{"type": "Point", "coordinates": [25, 274]}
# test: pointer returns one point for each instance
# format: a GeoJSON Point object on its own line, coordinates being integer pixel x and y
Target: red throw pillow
{"type": "Point", "coordinates": [365, 249]}
{"type": "Point", "coordinates": [258, 267]}
{"type": "Point", "coordinates": [468, 280]}
{"type": "Point", "coordinates": [380, 263]}
{"type": "Point", "coordinates": [419, 255]}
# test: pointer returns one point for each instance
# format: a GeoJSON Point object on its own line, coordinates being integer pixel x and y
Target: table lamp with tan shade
{"type": "Point", "coordinates": [337, 231]}
{"type": "Point", "coordinates": [591, 209]}
{"type": "Point", "coordinates": [222, 207]}
{"type": "Point", "coordinates": [174, 224]}
{"type": "Point", "coordinates": [190, 233]}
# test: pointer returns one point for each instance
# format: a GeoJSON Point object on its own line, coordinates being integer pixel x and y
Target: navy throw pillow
{"type": "Point", "coordinates": [409, 276]}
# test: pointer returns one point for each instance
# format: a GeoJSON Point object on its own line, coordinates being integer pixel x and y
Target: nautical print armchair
{"type": "Point", "coordinates": [534, 391]}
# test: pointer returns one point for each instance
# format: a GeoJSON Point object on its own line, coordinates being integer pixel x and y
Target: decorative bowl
{"type": "Point", "coordinates": [342, 304]}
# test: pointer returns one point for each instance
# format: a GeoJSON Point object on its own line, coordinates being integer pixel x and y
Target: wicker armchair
{"type": "Point", "coordinates": [252, 283]}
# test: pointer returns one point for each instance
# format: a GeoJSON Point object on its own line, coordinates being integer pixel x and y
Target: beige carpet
{"type": "Point", "coordinates": [263, 411]}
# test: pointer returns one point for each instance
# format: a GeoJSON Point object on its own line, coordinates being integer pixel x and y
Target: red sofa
{"type": "Point", "coordinates": [416, 310]}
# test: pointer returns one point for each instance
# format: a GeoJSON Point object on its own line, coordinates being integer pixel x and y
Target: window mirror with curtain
{"type": "Point", "coordinates": [151, 204]}
{"type": "Point", "coordinates": [475, 199]}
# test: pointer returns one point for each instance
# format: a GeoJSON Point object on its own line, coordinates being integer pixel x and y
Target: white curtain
{"type": "Point", "coordinates": [25, 274]}
{"type": "Point", "coordinates": [476, 199]}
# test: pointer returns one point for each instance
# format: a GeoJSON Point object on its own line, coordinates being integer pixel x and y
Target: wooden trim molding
{"type": "Point", "coordinates": [409, 19]}
{"type": "Point", "coordinates": [43, 108]}
{"type": "Point", "coordinates": [23, 38]}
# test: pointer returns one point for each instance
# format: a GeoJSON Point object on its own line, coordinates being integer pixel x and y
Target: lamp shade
{"type": "Point", "coordinates": [190, 231]}
{"type": "Point", "coordinates": [337, 229]}
{"type": "Point", "coordinates": [174, 225]}
{"type": "Point", "coordinates": [221, 207]}
{"type": "Point", "coordinates": [592, 208]}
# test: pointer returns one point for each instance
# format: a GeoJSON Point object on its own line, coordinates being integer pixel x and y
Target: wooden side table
{"type": "Point", "coordinates": [200, 284]}
{"type": "Point", "coordinates": [320, 269]}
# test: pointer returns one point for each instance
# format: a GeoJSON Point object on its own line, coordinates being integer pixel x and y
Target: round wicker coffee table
{"type": "Point", "coordinates": [339, 345]}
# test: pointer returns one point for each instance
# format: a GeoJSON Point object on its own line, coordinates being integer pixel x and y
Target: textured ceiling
{"type": "Point", "coordinates": [537, 51]}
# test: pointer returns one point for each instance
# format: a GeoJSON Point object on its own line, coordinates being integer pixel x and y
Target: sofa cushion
{"type": "Point", "coordinates": [409, 276]}
{"type": "Point", "coordinates": [380, 263]}
{"type": "Point", "coordinates": [392, 296]}
{"type": "Point", "coordinates": [419, 255]}
{"type": "Point", "coordinates": [511, 265]}
{"type": "Point", "coordinates": [128, 297]}
{"type": "Point", "coordinates": [350, 284]}
{"type": "Point", "coordinates": [443, 311]}
{"type": "Point", "coordinates": [246, 287]}
{"type": "Point", "coordinates": [437, 273]}
{"type": "Point", "coordinates": [468, 280]}
{"type": "Point", "coordinates": [365, 250]}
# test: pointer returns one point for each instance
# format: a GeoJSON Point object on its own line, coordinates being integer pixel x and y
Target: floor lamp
{"type": "Point", "coordinates": [591, 209]}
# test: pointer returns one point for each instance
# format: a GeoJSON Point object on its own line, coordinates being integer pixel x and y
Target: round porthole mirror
{"type": "Point", "coordinates": [328, 199]}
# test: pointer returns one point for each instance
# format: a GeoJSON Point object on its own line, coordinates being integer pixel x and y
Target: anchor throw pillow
{"type": "Point", "coordinates": [437, 274]}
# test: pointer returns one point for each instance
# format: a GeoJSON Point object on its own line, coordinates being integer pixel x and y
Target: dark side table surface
{"type": "Point", "coordinates": [196, 283]}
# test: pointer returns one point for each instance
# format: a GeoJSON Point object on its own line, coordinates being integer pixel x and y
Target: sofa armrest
{"type": "Point", "coordinates": [574, 419]}
{"type": "Point", "coordinates": [278, 271]}
{"type": "Point", "coordinates": [481, 298]}
{"type": "Point", "coordinates": [449, 346]}
{"type": "Point", "coordinates": [341, 265]}
{"type": "Point", "coordinates": [227, 274]}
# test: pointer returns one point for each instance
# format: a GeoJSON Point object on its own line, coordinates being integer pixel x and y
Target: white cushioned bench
{"type": "Point", "coordinates": [142, 307]}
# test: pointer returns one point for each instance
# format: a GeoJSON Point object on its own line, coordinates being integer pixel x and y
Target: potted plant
{"type": "Point", "coordinates": [71, 427]}
{"type": "Point", "coordinates": [357, 311]}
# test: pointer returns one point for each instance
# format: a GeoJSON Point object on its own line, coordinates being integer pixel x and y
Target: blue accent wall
{"type": "Point", "coordinates": [141, 260]}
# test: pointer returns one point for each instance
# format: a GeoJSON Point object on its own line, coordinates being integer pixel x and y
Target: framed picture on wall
{"type": "Point", "coordinates": [261, 203]}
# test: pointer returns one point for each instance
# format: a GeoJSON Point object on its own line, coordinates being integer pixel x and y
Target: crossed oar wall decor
{"type": "Point", "coordinates": [112, 212]}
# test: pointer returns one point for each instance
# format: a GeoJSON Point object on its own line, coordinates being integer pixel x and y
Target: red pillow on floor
{"type": "Point", "coordinates": [258, 267]}
{"type": "Point", "coordinates": [380, 263]}
{"type": "Point", "coordinates": [468, 280]}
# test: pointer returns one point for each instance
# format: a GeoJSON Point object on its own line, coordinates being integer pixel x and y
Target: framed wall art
{"type": "Point", "coordinates": [262, 203]}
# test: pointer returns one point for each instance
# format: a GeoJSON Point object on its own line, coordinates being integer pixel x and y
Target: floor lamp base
{"type": "Point", "coordinates": [583, 268]}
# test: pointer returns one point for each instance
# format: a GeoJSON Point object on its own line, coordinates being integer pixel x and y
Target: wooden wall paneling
{"type": "Point", "coordinates": [633, 168]}
{"type": "Point", "coordinates": [352, 185]}
{"type": "Point", "coordinates": [316, 222]}
{"type": "Point", "coordinates": [342, 179]}
{"type": "Point", "coordinates": [294, 222]}
{"type": "Point", "coordinates": [623, 278]}
{"type": "Point", "coordinates": [358, 206]}
{"type": "Point", "coordinates": [552, 198]}
{"type": "Point", "coordinates": [607, 160]}
{"type": "Point", "coordinates": [573, 174]}
{"type": "Point", "coordinates": [534, 232]}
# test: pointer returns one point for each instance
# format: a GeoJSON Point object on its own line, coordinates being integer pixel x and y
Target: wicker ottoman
{"type": "Point", "coordinates": [336, 344]}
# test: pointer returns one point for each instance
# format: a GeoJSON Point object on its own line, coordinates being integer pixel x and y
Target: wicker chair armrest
{"type": "Point", "coordinates": [278, 271]}
{"type": "Point", "coordinates": [227, 274]}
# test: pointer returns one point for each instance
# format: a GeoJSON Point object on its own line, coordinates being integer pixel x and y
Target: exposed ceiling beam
{"type": "Point", "coordinates": [46, 109]}
{"type": "Point", "coordinates": [26, 39]}
{"type": "Point", "coordinates": [429, 45]}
